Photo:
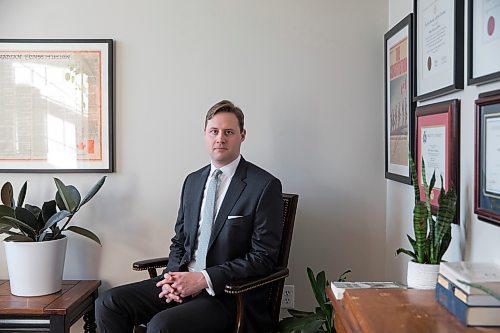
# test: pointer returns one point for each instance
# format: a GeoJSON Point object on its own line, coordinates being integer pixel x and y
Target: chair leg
{"type": "Point", "coordinates": [240, 315]}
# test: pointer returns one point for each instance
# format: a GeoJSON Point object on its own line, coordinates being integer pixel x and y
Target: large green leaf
{"type": "Point", "coordinates": [291, 324]}
{"type": "Point", "coordinates": [405, 251]}
{"type": "Point", "coordinates": [93, 191]}
{"type": "Point", "coordinates": [85, 232]}
{"type": "Point", "coordinates": [483, 288]}
{"type": "Point", "coordinates": [22, 194]}
{"type": "Point", "coordinates": [7, 211]}
{"type": "Point", "coordinates": [7, 194]}
{"type": "Point", "coordinates": [414, 177]}
{"type": "Point", "coordinates": [420, 229]}
{"type": "Point", "coordinates": [48, 210]}
{"type": "Point", "coordinates": [315, 285]}
{"type": "Point", "coordinates": [56, 218]}
{"type": "Point", "coordinates": [15, 223]}
{"type": "Point", "coordinates": [18, 238]}
{"type": "Point", "coordinates": [67, 195]}
{"type": "Point", "coordinates": [299, 313]}
{"type": "Point", "coordinates": [313, 326]}
{"type": "Point", "coordinates": [28, 218]}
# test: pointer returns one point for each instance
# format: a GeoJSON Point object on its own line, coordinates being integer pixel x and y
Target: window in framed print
{"type": "Point", "coordinates": [399, 106]}
{"type": "Point", "coordinates": [437, 139]}
{"type": "Point", "coordinates": [56, 105]}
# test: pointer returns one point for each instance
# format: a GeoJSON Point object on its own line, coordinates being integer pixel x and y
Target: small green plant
{"type": "Point", "coordinates": [34, 224]}
{"type": "Point", "coordinates": [311, 322]}
{"type": "Point", "coordinates": [432, 234]}
{"type": "Point", "coordinates": [481, 287]}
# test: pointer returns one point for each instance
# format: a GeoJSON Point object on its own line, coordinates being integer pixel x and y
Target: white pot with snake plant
{"type": "Point", "coordinates": [432, 233]}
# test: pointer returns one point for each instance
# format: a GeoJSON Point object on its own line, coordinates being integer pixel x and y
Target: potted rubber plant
{"type": "Point", "coordinates": [321, 320]}
{"type": "Point", "coordinates": [35, 245]}
{"type": "Point", "coordinates": [432, 233]}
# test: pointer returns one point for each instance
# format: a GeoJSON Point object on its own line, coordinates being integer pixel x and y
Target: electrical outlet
{"type": "Point", "coordinates": [288, 297]}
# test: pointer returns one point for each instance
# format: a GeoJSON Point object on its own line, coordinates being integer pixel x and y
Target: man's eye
{"type": "Point", "coordinates": [228, 132]}
{"type": "Point", "coordinates": [213, 132]}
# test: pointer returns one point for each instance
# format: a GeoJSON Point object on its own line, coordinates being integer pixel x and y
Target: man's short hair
{"type": "Point", "coordinates": [226, 106]}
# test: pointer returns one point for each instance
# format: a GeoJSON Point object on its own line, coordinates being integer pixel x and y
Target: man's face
{"type": "Point", "coordinates": [223, 138]}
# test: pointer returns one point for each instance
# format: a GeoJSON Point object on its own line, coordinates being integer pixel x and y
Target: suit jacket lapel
{"type": "Point", "coordinates": [232, 195]}
{"type": "Point", "coordinates": [194, 213]}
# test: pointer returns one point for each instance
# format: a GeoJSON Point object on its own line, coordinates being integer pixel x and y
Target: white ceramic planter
{"type": "Point", "coordinates": [35, 268]}
{"type": "Point", "coordinates": [422, 276]}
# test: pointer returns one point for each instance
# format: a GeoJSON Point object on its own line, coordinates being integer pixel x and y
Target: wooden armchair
{"type": "Point", "coordinates": [238, 288]}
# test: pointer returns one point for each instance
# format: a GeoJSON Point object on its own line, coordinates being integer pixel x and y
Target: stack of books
{"type": "Point", "coordinates": [471, 306]}
{"type": "Point", "coordinates": [338, 287]}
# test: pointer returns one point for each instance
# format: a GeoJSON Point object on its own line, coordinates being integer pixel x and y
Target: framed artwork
{"type": "Point", "coordinates": [56, 105]}
{"type": "Point", "coordinates": [487, 158]}
{"type": "Point", "coordinates": [439, 42]}
{"type": "Point", "coordinates": [399, 106]}
{"type": "Point", "coordinates": [483, 45]}
{"type": "Point", "coordinates": [437, 138]}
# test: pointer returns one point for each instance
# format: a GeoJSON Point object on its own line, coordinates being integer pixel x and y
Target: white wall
{"type": "Point", "coordinates": [308, 74]}
{"type": "Point", "coordinates": [472, 239]}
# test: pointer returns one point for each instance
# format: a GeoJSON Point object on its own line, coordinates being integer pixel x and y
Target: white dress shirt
{"type": "Point", "coordinates": [224, 181]}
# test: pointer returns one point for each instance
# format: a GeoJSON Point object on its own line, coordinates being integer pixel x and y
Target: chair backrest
{"type": "Point", "coordinates": [289, 208]}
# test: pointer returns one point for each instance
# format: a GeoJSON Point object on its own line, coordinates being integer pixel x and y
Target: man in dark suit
{"type": "Point", "coordinates": [241, 239]}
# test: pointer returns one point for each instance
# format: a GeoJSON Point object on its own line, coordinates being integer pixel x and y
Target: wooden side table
{"type": "Point", "coordinates": [53, 313]}
{"type": "Point", "coordinates": [395, 310]}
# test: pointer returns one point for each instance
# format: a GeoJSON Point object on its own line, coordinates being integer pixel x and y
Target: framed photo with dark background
{"type": "Point", "coordinates": [487, 158]}
{"type": "Point", "coordinates": [439, 42]}
{"type": "Point", "coordinates": [399, 106]}
{"type": "Point", "coordinates": [437, 139]}
{"type": "Point", "coordinates": [56, 105]}
{"type": "Point", "coordinates": [483, 45]}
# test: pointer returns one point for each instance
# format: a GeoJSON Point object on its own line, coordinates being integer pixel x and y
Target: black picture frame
{"type": "Point", "coordinates": [57, 105]}
{"type": "Point", "coordinates": [487, 139]}
{"type": "Point", "coordinates": [439, 124]}
{"type": "Point", "coordinates": [399, 104]}
{"type": "Point", "coordinates": [483, 43]}
{"type": "Point", "coordinates": [438, 50]}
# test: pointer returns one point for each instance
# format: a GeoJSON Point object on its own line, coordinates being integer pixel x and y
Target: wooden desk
{"type": "Point", "coordinates": [395, 310]}
{"type": "Point", "coordinates": [53, 313]}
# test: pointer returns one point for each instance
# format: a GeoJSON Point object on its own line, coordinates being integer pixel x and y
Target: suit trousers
{"type": "Point", "coordinates": [119, 309]}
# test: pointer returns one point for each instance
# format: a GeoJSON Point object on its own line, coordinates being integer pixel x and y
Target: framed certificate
{"type": "Point", "coordinates": [399, 106]}
{"type": "Point", "coordinates": [56, 105]}
{"type": "Point", "coordinates": [483, 45]}
{"type": "Point", "coordinates": [487, 158]}
{"type": "Point", "coordinates": [439, 59]}
{"type": "Point", "coordinates": [437, 138]}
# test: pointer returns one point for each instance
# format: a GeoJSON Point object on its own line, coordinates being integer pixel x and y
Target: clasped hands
{"type": "Point", "coordinates": [175, 286]}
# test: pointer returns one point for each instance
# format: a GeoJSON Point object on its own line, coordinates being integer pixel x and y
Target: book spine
{"type": "Point", "coordinates": [455, 306]}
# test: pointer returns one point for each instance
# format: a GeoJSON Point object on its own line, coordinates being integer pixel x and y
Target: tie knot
{"type": "Point", "coordinates": [216, 173]}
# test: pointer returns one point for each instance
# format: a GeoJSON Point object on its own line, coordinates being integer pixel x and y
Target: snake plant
{"type": "Point", "coordinates": [34, 224]}
{"type": "Point", "coordinates": [312, 322]}
{"type": "Point", "coordinates": [432, 234]}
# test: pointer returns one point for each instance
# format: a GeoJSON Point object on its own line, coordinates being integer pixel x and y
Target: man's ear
{"type": "Point", "coordinates": [243, 135]}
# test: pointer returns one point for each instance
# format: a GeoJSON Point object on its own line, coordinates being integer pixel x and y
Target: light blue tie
{"type": "Point", "coordinates": [208, 221]}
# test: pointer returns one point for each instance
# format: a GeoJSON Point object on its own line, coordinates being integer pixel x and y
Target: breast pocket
{"type": "Point", "coordinates": [239, 229]}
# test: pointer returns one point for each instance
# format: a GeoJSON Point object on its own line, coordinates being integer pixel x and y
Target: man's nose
{"type": "Point", "coordinates": [220, 137]}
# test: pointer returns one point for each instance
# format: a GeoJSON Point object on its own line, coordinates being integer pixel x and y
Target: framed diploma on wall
{"type": "Point", "coordinates": [439, 44]}
{"type": "Point", "coordinates": [487, 158]}
{"type": "Point", "coordinates": [56, 105]}
{"type": "Point", "coordinates": [399, 106]}
{"type": "Point", "coordinates": [483, 45]}
{"type": "Point", "coordinates": [437, 138]}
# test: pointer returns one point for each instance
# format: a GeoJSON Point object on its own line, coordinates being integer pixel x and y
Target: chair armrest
{"type": "Point", "coordinates": [241, 286]}
{"type": "Point", "coordinates": [150, 264]}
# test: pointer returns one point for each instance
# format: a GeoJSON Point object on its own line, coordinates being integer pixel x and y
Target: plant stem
{"type": "Point", "coordinates": [64, 227]}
